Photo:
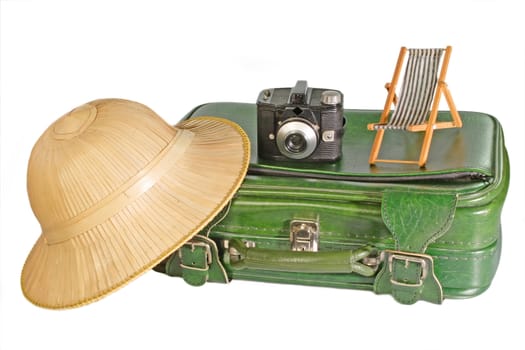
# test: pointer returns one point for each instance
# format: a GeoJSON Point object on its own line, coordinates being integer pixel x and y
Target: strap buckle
{"type": "Point", "coordinates": [409, 277]}
{"type": "Point", "coordinates": [408, 258]}
{"type": "Point", "coordinates": [208, 257]}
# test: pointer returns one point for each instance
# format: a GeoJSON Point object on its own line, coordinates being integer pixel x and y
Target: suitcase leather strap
{"type": "Point", "coordinates": [346, 261]}
{"type": "Point", "coordinates": [415, 220]}
{"type": "Point", "coordinates": [197, 261]}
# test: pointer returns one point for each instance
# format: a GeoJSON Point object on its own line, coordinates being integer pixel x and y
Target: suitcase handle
{"type": "Point", "coordinates": [345, 261]}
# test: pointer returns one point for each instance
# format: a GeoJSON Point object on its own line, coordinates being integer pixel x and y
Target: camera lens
{"type": "Point", "coordinates": [295, 143]}
{"type": "Point", "coordinates": [296, 139]}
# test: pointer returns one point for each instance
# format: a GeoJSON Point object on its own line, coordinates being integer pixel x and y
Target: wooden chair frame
{"type": "Point", "coordinates": [429, 126]}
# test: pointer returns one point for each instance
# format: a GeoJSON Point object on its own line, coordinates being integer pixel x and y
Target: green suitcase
{"type": "Point", "coordinates": [417, 234]}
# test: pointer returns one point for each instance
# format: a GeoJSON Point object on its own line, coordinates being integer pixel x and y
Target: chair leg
{"type": "Point", "coordinates": [376, 146]}
{"type": "Point", "coordinates": [456, 119]}
{"type": "Point", "coordinates": [391, 98]}
{"type": "Point", "coordinates": [425, 148]}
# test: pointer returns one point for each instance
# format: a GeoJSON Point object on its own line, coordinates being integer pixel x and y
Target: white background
{"type": "Point", "coordinates": [172, 56]}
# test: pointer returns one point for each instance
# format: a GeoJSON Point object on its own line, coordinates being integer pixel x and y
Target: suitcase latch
{"type": "Point", "coordinates": [304, 235]}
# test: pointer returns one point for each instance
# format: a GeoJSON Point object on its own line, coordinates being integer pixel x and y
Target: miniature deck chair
{"type": "Point", "coordinates": [417, 106]}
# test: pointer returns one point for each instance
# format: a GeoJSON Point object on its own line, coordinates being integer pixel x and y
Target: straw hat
{"type": "Point", "coordinates": [116, 190]}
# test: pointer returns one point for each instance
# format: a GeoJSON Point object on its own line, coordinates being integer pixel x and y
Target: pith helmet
{"type": "Point", "coordinates": [116, 190]}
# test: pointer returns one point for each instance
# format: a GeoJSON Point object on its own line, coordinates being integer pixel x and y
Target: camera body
{"type": "Point", "coordinates": [300, 124]}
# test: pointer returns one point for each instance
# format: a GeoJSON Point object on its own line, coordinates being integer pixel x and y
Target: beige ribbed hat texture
{"type": "Point", "coordinates": [116, 190]}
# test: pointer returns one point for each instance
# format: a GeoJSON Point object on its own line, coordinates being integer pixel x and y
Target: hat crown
{"type": "Point", "coordinates": [88, 154]}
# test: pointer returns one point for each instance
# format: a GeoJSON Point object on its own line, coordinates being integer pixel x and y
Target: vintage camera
{"type": "Point", "coordinates": [300, 123]}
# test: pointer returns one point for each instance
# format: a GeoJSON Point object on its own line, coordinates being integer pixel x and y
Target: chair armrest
{"type": "Point", "coordinates": [387, 87]}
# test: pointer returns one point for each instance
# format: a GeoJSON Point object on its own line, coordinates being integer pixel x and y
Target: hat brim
{"type": "Point", "coordinates": [181, 203]}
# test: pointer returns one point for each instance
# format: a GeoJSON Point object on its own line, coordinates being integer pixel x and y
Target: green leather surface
{"type": "Point", "coordinates": [466, 249]}
{"type": "Point", "coordinates": [352, 211]}
{"type": "Point", "coordinates": [416, 219]}
{"type": "Point", "coordinates": [469, 149]}
{"type": "Point", "coordinates": [342, 261]}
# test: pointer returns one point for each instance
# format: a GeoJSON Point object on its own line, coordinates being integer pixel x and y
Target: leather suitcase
{"type": "Point", "coordinates": [417, 234]}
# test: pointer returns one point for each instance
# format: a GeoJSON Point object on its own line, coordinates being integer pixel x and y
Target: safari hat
{"type": "Point", "coordinates": [116, 190]}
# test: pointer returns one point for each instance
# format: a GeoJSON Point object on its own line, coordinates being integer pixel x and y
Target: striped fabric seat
{"type": "Point", "coordinates": [417, 91]}
{"type": "Point", "coordinates": [416, 109]}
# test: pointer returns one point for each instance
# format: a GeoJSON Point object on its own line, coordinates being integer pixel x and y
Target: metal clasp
{"type": "Point", "coordinates": [408, 258]}
{"type": "Point", "coordinates": [304, 235]}
{"type": "Point", "coordinates": [233, 253]}
{"type": "Point", "coordinates": [193, 245]}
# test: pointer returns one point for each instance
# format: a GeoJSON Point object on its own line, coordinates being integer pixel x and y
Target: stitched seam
{"type": "Point", "coordinates": [433, 237]}
{"type": "Point", "coordinates": [388, 223]}
{"type": "Point", "coordinates": [356, 235]}
{"type": "Point", "coordinates": [474, 258]}
{"type": "Point", "coordinates": [469, 243]}
{"type": "Point", "coordinates": [445, 226]}
{"type": "Point", "coordinates": [254, 228]}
